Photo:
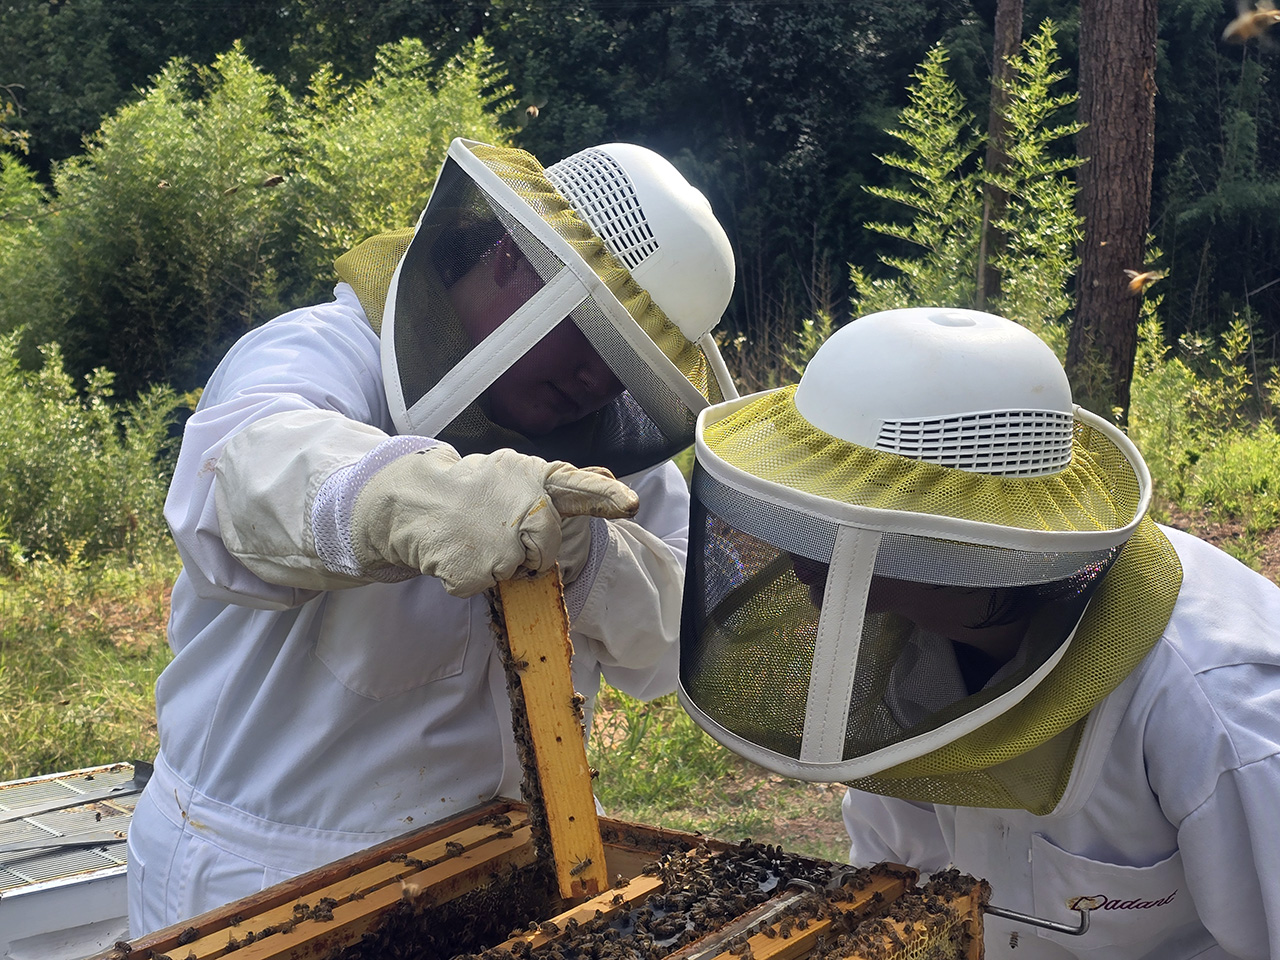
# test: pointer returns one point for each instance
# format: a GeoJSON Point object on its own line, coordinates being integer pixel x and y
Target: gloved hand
{"type": "Point", "coordinates": [475, 520]}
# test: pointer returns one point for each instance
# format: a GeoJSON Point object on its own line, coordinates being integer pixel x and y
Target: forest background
{"type": "Point", "coordinates": [172, 174]}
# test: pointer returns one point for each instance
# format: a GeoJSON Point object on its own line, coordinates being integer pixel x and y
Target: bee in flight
{"type": "Point", "coordinates": [1251, 23]}
{"type": "Point", "coordinates": [1139, 281]}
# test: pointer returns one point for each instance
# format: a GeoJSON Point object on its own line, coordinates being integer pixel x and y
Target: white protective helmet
{"type": "Point", "coordinates": [897, 552]}
{"type": "Point", "coordinates": [610, 251]}
{"type": "Point", "coordinates": [957, 388]}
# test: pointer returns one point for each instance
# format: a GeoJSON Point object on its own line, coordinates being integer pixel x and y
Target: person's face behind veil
{"type": "Point", "coordinates": [987, 618]}
{"type": "Point", "coordinates": [561, 379]}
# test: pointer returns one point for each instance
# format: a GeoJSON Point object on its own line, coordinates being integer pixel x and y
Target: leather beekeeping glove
{"type": "Point", "coordinates": [475, 520]}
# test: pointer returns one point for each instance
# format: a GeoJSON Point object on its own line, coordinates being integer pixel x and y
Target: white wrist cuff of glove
{"type": "Point", "coordinates": [331, 511]}
{"type": "Point", "coordinates": [575, 593]}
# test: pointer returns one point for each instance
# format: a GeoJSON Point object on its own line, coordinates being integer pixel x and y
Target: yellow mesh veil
{"type": "Point", "coordinates": [368, 266]}
{"type": "Point", "coordinates": [769, 439]}
{"type": "Point", "coordinates": [1022, 760]}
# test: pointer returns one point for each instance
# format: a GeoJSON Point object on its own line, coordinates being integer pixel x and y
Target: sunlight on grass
{"type": "Point", "coordinates": [81, 645]}
{"type": "Point", "coordinates": [658, 768]}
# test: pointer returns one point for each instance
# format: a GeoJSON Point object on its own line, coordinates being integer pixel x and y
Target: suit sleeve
{"type": "Point", "coordinates": [291, 402]}
{"type": "Point", "coordinates": [625, 607]}
{"type": "Point", "coordinates": [898, 831]}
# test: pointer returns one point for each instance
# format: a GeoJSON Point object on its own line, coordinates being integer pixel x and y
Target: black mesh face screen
{"type": "Point", "coordinates": [747, 637]}
{"type": "Point", "coordinates": [927, 654]}
{"type": "Point", "coordinates": [440, 321]}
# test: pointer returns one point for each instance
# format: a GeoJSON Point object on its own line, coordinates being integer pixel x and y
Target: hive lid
{"type": "Point", "coordinates": [66, 825]}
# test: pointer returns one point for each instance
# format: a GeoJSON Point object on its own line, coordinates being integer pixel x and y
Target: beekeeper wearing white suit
{"type": "Point", "coordinates": [357, 473]}
{"type": "Point", "coordinates": [925, 573]}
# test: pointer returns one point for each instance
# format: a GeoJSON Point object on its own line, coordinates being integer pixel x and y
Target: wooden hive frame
{"type": "Point", "coordinates": [331, 911]}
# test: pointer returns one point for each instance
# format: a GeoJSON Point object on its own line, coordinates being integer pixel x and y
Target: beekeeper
{"type": "Point", "coordinates": [357, 473]}
{"type": "Point", "coordinates": [925, 573]}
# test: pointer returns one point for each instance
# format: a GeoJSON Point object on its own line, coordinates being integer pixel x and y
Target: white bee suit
{"type": "Point", "coordinates": [304, 697]}
{"type": "Point", "coordinates": [1168, 824]}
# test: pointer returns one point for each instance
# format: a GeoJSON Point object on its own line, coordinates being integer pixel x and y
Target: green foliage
{"type": "Point", "coordinates": [1159, 418]}
{"type": "Point", "coordinates": [651, 754]}
{"type": "Point", "coordinates": [772, 110]}
{"type": "Point", "coordinates": [217, 200]}
{"type": "Point", "coordinates": [10, 137]}
{"type": "Point", "coordinates": [944, 197]}
{"type": "Point", "coordinates": [1041, 227]}
{"type": "Point", "coordinates": [368, 155]}
{"type": "Point", "coordinates": [797, 352]}
{"type": "Point", "coordinates": [81, 644]}
{"type": "Point", "coordinates": [1218, 400]}
{"type": "Point", "coordinates": [1209, 440]}
{"type": "Point", "coordinates": [155, 249]}
{"type": "Point", "coordinates": [21, 202]}
{"type": "Point", "coordinates": [79, 476]}
{"type": "Point", "coordinates": [1239, 478]}
{"type": "Point", "coordinates": [1216, 199]}
{"type": "Point", "coordinates": [656, 767]}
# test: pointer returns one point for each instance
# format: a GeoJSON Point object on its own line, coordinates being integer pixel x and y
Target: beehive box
{"type": "Point", "coordinates": [475, 888]}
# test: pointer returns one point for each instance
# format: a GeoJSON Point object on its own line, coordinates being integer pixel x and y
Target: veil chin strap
{"type": "Point", "coordinates": [368, 267]}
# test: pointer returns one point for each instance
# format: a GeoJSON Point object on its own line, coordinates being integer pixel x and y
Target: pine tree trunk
{"type": "Point", "coordinates": [1008, 36]}
{"type": "Point", "coordinates": [1117, 104]}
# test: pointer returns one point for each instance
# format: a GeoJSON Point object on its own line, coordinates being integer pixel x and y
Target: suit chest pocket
{"type": "Point", "coordinates": [381, 640]}
{"type": "Point", "coordinates": [1133, 910]}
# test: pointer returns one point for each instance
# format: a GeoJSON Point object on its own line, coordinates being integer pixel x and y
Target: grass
{"type": "Point", "coordinates": [80, 648]}
{"type": "Point", "coordinates": [658, 768]}
{"type": "Point", "coordinates": [81, 645]}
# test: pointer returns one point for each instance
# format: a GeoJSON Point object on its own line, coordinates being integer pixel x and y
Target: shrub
{"type": "Point", "coordinates": [1240, 478]}
{"type": "Point", "coordinates": [944, 194]}
{"type": "Point", "coordinates": [367, 157]}
{"type": "Point", "coordinates": [217, 199]}
{"type": "Point", "coordinates": [79, 476]}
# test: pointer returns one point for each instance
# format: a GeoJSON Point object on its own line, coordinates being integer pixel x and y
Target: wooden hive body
{"type": "Point", "coordinates": [475, 887]}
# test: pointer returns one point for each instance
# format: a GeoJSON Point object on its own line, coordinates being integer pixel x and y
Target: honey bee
{"type": "Point", "coordinates": [454, 849]}
{"type": "Point", "coordinates": [533, 105]}
{"type": "Point", "coordinates": [578, 867]}
{"type": "Point", "coordinates": [1138, 282]}
{"type": "Point", "coordinates": [1013, 940]}
{"type": "Point", "coordinates": [1251, 23]}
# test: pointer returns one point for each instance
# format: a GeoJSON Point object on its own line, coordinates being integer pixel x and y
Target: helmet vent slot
{"type": "Point", "coordinates": [599, 190]}
{"type": "Point", "coordinates": [1007, 443]}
